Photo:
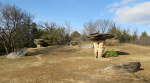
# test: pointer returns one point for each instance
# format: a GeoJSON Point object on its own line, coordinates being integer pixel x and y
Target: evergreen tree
{"type": "Point", "coordinates": [75, 35]}
{"type": "Point", "coordinates": [144, 35]}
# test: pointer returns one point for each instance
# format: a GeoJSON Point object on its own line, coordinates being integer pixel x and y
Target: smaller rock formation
{"type": "Point", "coordinates": [123, 73]}
{"type": "Point", "coordinates": [74, 43]}
{"type": "Point", "coordinates": [17, 54]}
{"type": "Point", "coordinates": [128, 67]}
{"type": "Point", "coordinates": [40, 43]}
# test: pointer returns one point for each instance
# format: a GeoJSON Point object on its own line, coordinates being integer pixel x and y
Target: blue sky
{"type": "Point", "coordinates": [126, 13]}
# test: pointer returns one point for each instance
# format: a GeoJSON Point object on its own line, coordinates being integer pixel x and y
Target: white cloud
{"type": "Point", "coordinates": [121, 3]}
{"type": "Point", "coordinates": [137, 14]}
{"type": "Point", "coordinates": [124, 2]}
{"type": "Point", "coordinates": [114, 6]}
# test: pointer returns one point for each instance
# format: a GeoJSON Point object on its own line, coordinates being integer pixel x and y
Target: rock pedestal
{"type": "Point", "coordinates": [98, 48]}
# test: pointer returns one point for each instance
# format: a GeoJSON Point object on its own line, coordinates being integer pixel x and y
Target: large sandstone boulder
{"type": "Point", "coordinates": [100, 37]}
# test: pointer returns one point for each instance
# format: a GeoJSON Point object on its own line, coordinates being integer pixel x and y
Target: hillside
{"type": "Point", "coordinates": [64, 64]}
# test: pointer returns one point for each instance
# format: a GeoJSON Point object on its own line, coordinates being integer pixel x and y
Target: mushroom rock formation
{"type": "Point", "coordinates": [98, 42]}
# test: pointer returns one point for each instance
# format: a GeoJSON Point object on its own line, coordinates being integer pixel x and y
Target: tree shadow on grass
{"type": "Point", "coordinates": [122, 53]}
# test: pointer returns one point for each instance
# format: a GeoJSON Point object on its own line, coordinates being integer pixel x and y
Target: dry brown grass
{"type": "Point", "coordinates": [73, 65]}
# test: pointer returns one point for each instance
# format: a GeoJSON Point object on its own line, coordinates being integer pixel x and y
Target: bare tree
{"type": "Point", "coordinates": [14, 27]}
{"type": "Point", "coordinates": [103, 25]}
{"type": "Point", "coordinates": [90, 28]}
{"type": "Point", "coordinates": [4, 39]}
{"type": "Point", "coordinates": [68, 27]}
{"type": "Point", "coordinates": [100, 26]}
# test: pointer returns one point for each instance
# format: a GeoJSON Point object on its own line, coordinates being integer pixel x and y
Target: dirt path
{"type": "Point", "coordinates": [39, 61]}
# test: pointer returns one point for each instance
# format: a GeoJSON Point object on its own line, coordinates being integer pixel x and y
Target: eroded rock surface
{"type": "Point", "coordinates": [128, 67]}
{"type": "Point", "coordinates": [124, 72]}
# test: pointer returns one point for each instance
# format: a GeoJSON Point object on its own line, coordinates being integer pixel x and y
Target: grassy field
{"type": "Point", "coordinates": [64, 64]}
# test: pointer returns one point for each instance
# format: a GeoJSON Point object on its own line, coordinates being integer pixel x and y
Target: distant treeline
{"type": "Point", "coordinates": [121, 34]}
{"type": "Point", "coordinates": [18, 30]}
{"type": "Point", "coordinates": [126, 36]}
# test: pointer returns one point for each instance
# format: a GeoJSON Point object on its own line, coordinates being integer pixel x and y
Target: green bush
{"type": "Point", "coordinates": [110, 53]}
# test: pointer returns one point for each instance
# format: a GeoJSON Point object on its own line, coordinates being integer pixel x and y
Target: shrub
{"type": "Point", "coordinates": [110, 53]}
